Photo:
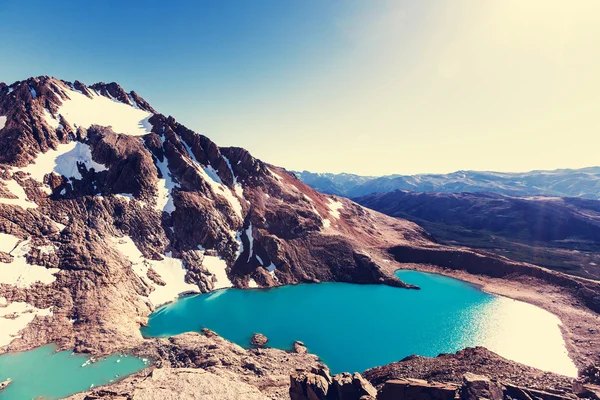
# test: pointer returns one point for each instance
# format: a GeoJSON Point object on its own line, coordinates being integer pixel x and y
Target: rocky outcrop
{"type": "Point", "coordinates": [258, 340]}
{"type": "Point", "coordinates": [452, 368]}
{"type": "Point", "coordinates": [317, 384]}
{"type": "Point", "coordinates": [299, 347]}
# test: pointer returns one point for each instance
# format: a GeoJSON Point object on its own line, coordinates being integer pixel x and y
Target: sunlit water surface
{"type": "Point", "coordinates": [44, 373]}
{"type": "Point", "coordinates": [355, 327]}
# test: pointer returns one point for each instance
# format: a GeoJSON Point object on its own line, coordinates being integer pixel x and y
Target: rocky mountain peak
{"type": "Point", "coordinates": [138, 208]}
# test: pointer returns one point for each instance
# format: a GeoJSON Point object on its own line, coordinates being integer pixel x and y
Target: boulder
{"type": "Point", "coordinates": [416, 389]}
{"type": "Point", "coordinates": [258, 339]}
{"type": "Point", "coordinates": [351, 387]}
{"type": "Point", "coordinates": [478, 386]}
{"type": "Point", "coordinates": [299, 347]}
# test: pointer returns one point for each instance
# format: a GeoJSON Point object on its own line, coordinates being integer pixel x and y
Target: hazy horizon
{"type": "Point", "coordinates": [368, 88]}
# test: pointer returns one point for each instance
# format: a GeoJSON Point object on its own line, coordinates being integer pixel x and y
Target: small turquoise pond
{"type": "Point", "coordinates": [355, 327]}
{"type": "Point", "coordinates": [47, 374]}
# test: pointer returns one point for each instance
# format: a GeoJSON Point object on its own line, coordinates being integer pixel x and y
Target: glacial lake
{"type": "Point", "coordinates": [47, 374]}
{"type": "Point", "coordinates": [355, 327]}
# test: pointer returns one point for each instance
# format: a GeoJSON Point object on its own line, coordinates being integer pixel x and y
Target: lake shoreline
{"type": "Point", "coordinates": [579, 324]}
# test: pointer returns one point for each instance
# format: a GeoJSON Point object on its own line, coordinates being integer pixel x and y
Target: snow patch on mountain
{"type": "Point", "coordinates": [218, 269]}
{"type": "Point", "coordinates": [250, 240]}
{"type": "Point", "coordinates": [170, 270]}
{"type": "Point", "coordinates": [63, 161]}
{"type": "Point", "coordinates": [2, 122]}
{"type": "Point", "coordinates": [20, 273]}
{"type": "Point", "coordinates": [83, 111]}
{"type": "Point", "coordinates": [164, 201]}
{"type": "Point", "coordinates": [237, 186]}
{"type": "Point", "coordinates": [334, 208]}
{"type": "Point", "coordinates": [8, 242]}
{"type": "Point", "coordinates": [210, 176]}
{"type": "Point", "coordinates": [51, 120]}
{"type": "Point", "coordinates": [17, 190]}
{"type": "Point", "coordinates": [21, 314]}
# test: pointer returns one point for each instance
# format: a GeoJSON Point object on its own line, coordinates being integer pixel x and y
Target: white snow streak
{"type": "Point", "coordinates": [210, 176]}
{"type": "Point", "coordinates": [166, 184]}
{"type": "Point", "coordinates": [170, 269]}
{"type": "Point", "coordinates": [251, 241]}
{"type": "Point", "coordinates": [335, 207]}
{"type": "Point", "coordinates": [2, 122]}
{"type": "Point", "coordinates": [50, 120]}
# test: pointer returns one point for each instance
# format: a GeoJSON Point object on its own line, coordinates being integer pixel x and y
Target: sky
{"type": "Point", "coordinates": [371, 87]}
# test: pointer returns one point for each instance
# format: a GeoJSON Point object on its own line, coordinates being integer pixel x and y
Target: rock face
{"type": "Point", "coordinates": [258, 340]}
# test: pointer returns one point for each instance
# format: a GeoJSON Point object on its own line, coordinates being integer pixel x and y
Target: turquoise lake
{"type": "Point", "coordinates": [355, 327]}
{"type": "Point", "coordinates": [47, 374]}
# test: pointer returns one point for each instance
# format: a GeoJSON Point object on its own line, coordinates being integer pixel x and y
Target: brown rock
{"type": "Point", "coordinates": [351, 387]}
{"type": "Point", "coordinates": [478, 386]}
{"type": "Point", "coordinates": [416, 389]}
{"type": "Point", "coordinates": [308, 386]}
{"type": "Point", "coordinates": [299, 347]}
{"type": "Point", "coordinates": [258, 339]}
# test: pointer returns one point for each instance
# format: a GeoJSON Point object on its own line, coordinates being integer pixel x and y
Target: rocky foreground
{"type": "Point", "coordinates": [205, 366]}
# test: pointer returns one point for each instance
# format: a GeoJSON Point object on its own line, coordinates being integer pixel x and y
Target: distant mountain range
{"type": "Point", "coordinates": [558, 233]}
{"type": "Point", "coordinates": [584, 183]}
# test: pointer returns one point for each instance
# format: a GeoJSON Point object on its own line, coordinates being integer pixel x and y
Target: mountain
{"type": "Point", "coordinates": [94, 180]}
{"type": "Point", "coordinates": [558, 233]}
{"type": "Point", "coordinates": [109, 209]}
{"type": "Point", "coordinates": [584, 183]}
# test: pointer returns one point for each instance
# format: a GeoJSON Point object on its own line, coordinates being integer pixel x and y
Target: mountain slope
{"type": "Point", "coordinates": [104, 198]}
{"type": "Point", "coordinates": [584, 183]}
{"type": "Point", "coordinates": [558, 233]}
